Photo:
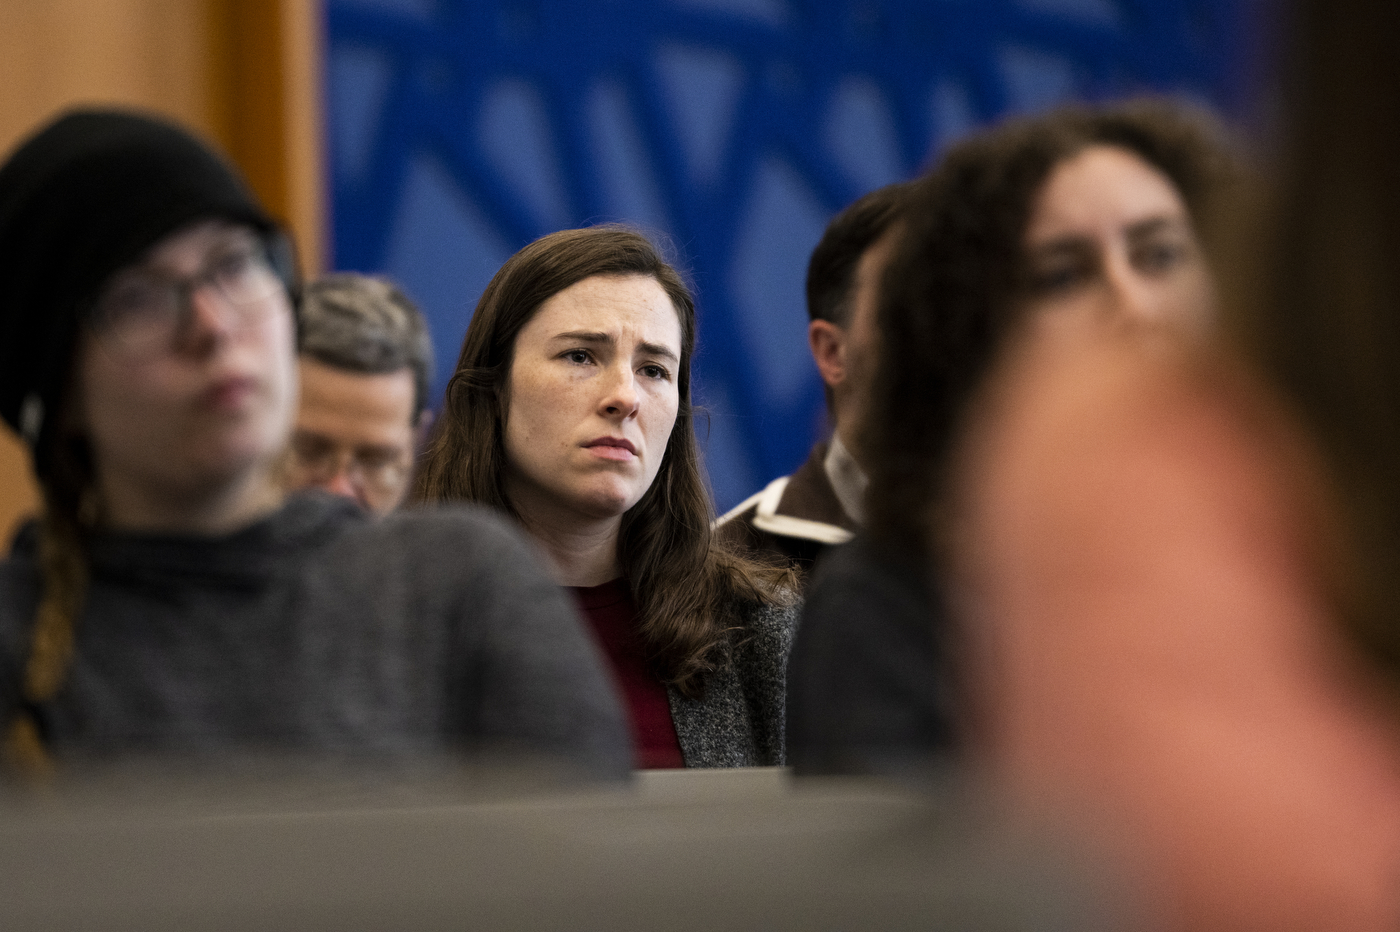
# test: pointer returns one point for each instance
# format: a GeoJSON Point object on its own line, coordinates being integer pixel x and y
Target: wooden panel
{"type": "Point", "coordinates": [266, 73]}
{"type": "Point", "coordinates": [244, 73]}
{"type": "Point", "coordinates": [146, 53]}
{"type": "Point", "coordinates": [303, 116]}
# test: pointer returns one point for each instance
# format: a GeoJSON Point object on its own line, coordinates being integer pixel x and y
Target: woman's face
{"type": "Point", "coordinates": [592, 398]}
{"type": "Point", "coordinates": [187, 368]}
{"type": "Point", "coordinates": [1110, 238]}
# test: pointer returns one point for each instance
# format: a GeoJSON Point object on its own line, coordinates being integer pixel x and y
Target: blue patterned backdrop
{"type": "Point", "coordinates": [462, 129]}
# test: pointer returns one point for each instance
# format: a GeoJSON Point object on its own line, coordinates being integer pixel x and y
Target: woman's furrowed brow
{"type": "Point", "coordinates": [598, 337]}
{"type": "Point", "coordinates": [656, 349]}
{"type": "Point", "coordinates": [584, 336]}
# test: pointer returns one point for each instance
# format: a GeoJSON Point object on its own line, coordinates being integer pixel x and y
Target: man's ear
{"type": "Point", "coordinates": [828, 343]}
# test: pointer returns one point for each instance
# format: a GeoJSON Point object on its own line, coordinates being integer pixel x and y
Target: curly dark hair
{"type": "Point", "coordinates": [957, 278]}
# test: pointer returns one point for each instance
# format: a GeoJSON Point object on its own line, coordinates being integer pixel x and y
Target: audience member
{"type": "Point", "coordinates": [1180, 561]}
{"type": "Point", "coordinates": [795, 518]}
{"type": "Point", "coordinates": [1077, 212]}
{"type": "Point", "coordinates": [1146, 564]}
{"type": "Point", "coordinates": [570, 411]}
{"type": "Point", "coordinates": [171, 600]}
{"type": "Point", "coordinates": [366, 361]}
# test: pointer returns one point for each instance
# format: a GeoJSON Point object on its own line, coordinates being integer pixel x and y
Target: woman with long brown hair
{"type": "Point", "coordinates": [570, 411]}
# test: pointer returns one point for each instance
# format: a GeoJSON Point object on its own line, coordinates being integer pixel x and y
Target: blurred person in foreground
{"type": "Point", "coordinates": [365, 363]}
{"type": "Point", "coordinates": [1093, 207]}
{"type": "Point", "coordinates": [570, 412]}
{"type": "Point", "coordinates": [1177, 561]}
{"type": "Point", "coordinates": [172, 600]}
{"type": "Point", "coordinates": [796, 518]}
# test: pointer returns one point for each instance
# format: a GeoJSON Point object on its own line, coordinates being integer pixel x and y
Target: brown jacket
{"type": "Point", "coordinates": [793, 519]}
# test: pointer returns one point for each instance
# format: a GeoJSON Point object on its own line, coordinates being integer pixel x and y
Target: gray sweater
{"type": "Point", "coordinates": [739, 721]}
{"type": "Point", "coordinates": [316, 630]}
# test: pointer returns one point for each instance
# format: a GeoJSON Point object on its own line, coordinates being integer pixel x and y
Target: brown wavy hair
{"type": "Point", "coordinates": [957, 279]}
{"type": "Point", "coordinates": [689, 587]}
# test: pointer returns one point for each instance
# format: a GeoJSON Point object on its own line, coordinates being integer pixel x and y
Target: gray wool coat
{"type": "Point", "coordinates": [740, 720]}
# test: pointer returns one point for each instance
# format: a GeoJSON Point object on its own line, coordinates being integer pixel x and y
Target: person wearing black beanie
{"type": "Point", "coordinates": [87, 195]}
{"type": "Point", "coordinates": [171, 598]}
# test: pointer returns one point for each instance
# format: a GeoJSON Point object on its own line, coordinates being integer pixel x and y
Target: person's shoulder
{"type": "Point", "coordinates": [778, 614]}
{"type": "Point", "coordinates": [736, 524]}
{"type": "Point", "coordinates": [435, 544]}
{"type": "Point", "coordinates": [768, 626]}
{"type": "Point", "coordinates": [753, 528]}
{"type": "Point", "coordinates": [448, 531]}
{"type": "Point", "coordinates": [865, 580]}
{"type": "Point", "coordinates": [792, 513]}
{"type": "Point", "coordinates": [858, 561]}
{"type": "Point", "coordinates": [447, 520]}
{"type": "Point", "coordinates": [312, 516]}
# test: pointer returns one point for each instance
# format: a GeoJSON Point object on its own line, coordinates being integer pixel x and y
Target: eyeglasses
{"type": "Point", "coordinates": [380, 471]}
{"type": "Point", "coordinates": [143, 313]}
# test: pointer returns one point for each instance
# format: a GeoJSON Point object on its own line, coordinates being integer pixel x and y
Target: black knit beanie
{"type": "Point", "coordinates": [86, 195]}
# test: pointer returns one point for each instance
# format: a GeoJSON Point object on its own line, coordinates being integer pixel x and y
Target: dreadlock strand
{"type": "Point", "coordinates": [23, 752]}
{"type": "Point", "coordinates": [65, 585]}
{"type": "Point", "coordinates": [64, 577]}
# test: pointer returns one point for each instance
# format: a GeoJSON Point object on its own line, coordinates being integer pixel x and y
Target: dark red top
{"type": "Point", "coordinates": [612, 615]}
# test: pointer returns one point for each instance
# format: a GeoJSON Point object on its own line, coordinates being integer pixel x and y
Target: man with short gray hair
{"type": "Point", "coordinates": [366, 361]}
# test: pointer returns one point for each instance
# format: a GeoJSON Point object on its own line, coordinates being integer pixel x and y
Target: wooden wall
{"type": "Point", "coordinates": [244, 73]}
